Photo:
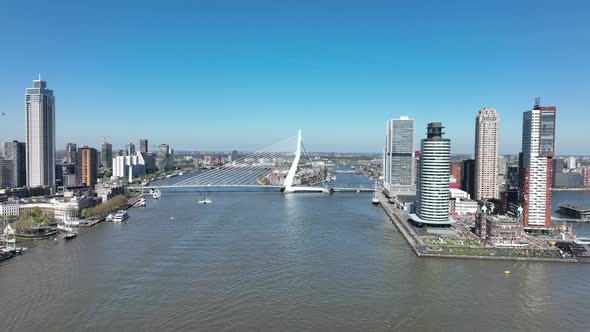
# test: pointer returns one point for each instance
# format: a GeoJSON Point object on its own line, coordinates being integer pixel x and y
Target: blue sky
{"type": "Point", "coordinates": [208, 75]}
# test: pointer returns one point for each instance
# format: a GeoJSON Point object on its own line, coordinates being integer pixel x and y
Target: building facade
{"type": "Point", "coordinates": [486, 154]}
{"type": "Point", "coordinates": [143, 145]}
{"type": "Point", "coordinates": [106, 155]}
{"type": "Point", "coordinates": [398, 163]}
{"type": "Point", "coordinates": [432, 182]}
{"type": "Point", "coordinates": [468, 176]}
{"type": "Point", "coordinates": [16, 151]}
{"type": "Point", "coordinates": [89, 166]}
{"type": "Point", "coordinates": [538, 145]}
{"type": "Point", "coordinates": [585, 171]}
{"type": "Point", "coordinates": [130, 147]}
{"type": "Point", "coordinates": [128, 167]}
{"type": "Point", "coordinates": [71, 151]}
{"type": "Point", "coordinates": [40, 132]}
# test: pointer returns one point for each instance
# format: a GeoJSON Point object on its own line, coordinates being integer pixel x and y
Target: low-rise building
{"type": "Point", "coordinates": [461, 206]}
{"type": "Point", "coordinates": [500, 230]}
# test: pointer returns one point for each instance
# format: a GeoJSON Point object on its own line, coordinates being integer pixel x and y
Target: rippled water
{"type": "Point", "coordinates": [266, 261]}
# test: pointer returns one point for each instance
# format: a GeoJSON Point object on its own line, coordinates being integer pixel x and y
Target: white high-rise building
{"type": "Point", "coordinates": [432, 181]}
{"type": "Point", "coordinates": [40, 131]}
{"type": "Point", "coordinates": [398, 159]}
{"type": "Point", "coordinates": [486, 154]}
{"type": "Point", "coordinates": [538, 142]}
{"type": "Point", "coordinates": [572, 163]}
{"type": "Point", "coordinates": [128, 167]}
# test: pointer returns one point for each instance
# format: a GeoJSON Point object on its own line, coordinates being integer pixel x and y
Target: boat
{"type": "Point", "coordinates": [506, 272]}
{"type": "Point", "coordinates": [121, 216]}
{"type": "Point", "coordinates": [375, 200]}
{"type": "Point", "coordinates": [181, 174]}
{"type": "Point", "coordinates": [70, 235]}
{"type": "Point", "coordinates": [206, 200]}
{"type": "Point", "coordinates": [140, 203]}
{"type": "Point", "coordinates": [157, 194]}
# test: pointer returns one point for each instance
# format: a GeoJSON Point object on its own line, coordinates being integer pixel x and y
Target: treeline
{"type": "Point", "coordinates": [38, 216]}
{"type": "Point", "coordinates": [105, 208]}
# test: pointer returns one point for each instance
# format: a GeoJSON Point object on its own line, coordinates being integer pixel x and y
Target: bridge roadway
{"type": "Point", "coordinates": [244, 186]}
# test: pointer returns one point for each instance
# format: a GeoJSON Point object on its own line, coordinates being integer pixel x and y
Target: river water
{"type": "Point", "coordinates": [266, 261]}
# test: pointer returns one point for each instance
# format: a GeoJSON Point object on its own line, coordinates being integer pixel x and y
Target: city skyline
{"type": "Point", "coordinates": [181, 84]}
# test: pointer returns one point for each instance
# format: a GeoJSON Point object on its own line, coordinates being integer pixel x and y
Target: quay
{"type": "Point", "coordinates": [422, 249]}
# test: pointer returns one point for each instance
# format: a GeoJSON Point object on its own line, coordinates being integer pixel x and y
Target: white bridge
{"type": "Point", "coordinates": [274, 167]}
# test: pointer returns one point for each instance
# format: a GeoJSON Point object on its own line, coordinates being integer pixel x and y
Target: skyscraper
{"type": "Point", "coordinates": [89, 166]}
{"type": "Point", "coordinates": [130, 147]}
{"type": "Point", "coordinates": [486, 154]}
{"type": "Point", "coordinates": [432, 182]}
{"type": "Point", "coordinates": [538, 145]}
{"type": "Point", "coordinates": [143, 145]}
{"type": "Point", "coordinates": [106, 155]}
{"type": "Point", "coordinates": [71, 151]}
{"type": "Point", "coordinates": [16, 151]}
{"type": "Point", "coordinates": [468, 177]}
{"type": "Point", "coordinates": [40, 131]}
{"type": "Point", "coordinates": [398, 163]}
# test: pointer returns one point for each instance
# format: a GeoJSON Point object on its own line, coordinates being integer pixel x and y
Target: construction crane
{"type": "Point", "coordinates": [104, 139]}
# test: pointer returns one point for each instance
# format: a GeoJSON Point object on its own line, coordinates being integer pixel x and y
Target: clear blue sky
{"type": "Point", "coordinates": [206, 75]}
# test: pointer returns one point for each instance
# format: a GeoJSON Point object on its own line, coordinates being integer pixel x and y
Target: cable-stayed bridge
{"type": "Point", "coordinates": [274, 167]}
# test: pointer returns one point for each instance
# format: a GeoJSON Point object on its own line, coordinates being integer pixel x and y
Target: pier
{"type": "Point", "coordinates": [468, 249]}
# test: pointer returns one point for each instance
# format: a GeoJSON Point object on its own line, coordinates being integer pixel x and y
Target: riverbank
{"type": "Point", "coordinates": [422, 249]}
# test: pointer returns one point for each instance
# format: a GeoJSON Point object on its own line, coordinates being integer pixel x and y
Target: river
{"type": "Point", "coordinates": [266, 261]}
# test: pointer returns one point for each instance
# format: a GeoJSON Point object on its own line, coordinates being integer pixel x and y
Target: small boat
{"type": "Point", "coordinates": [157, 194]}
{"type": "Point", "coordinates": [506, 272]}
{"type": "Point", "coordinates": [180, 174]}
{"type": "Point", "coordinates": [70, 235]}
{"type": "Point", "coordinates": [206, 200]}
{"type": "Point", "coordinates": [140, 203]}
{"type": "Point", "coordinates": [121, 216]}
{"type": "Point", "coordinates": [375, 200]}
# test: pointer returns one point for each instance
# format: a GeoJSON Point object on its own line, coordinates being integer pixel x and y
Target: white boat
{"type": "Point", "coordinates": [181, 174]}
{"type": "Point", "coordinates": [375, 200]}
{"type": "Point", "coordinates": [121, 216]}
{"type": "Point", "coordinates": [157, 194]}
{"type": "Point", "coordinates": [206, 200]}
{"type": "Point", "coordinates": [140, 203]}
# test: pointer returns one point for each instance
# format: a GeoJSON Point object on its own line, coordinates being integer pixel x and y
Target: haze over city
{"type": "Point", "coordinates": [206, 75]}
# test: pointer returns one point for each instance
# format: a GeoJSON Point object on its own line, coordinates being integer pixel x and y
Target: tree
{"type": "Point", "coordinates": [84, 213]}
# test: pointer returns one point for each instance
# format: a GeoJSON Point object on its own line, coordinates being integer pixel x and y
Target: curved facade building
{"type": "Point", "coordinates": [432, 183]}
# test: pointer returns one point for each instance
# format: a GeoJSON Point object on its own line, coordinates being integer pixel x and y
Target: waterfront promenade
{"type": "Point", "coordinates": [469, 248]}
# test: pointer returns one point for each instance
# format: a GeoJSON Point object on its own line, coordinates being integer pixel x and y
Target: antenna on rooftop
{"type": "Point", "coordinates": [537, 101]}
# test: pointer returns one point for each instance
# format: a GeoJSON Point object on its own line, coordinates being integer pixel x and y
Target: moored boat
{"type": "Point", "coordinates": [121, 216]}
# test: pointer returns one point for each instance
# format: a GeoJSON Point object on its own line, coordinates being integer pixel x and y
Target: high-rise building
{"type": "Point", "coordinates": [398, 163]}
{"type": "Point", "coordinates": [468, 177]}
{"type": "Point", "coordinates": [432, 182]}
{"type": "Point", "coordinates": [585, 171]}
{"type": "Point", "coordinates": [40, 132]}
{"type": "Point", "coordinates": [143, 145]}
{"type": "Point", "coordinates": [486, 154]}
{"type": "Point", "coordinates": [106, 155]}
{"type": "Point", "coordinates": [16, 151]}
{"type": "Point", "coordinates": [89, 166]}
{"type": "Point", "coordinates": [71, 151]}
{"type": "Point", "coordinates": [538, 145]}
{"type": "Point", "coordinates": [6, 174]}
{"type": "Point", "coordinates": [130, 147]}
{"type": "Point", "coordinates": [456, 172]}
{"type": "Point", "coordinates": [572, 163]}
{"type": "Point", "coordinates": [164, 158]}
